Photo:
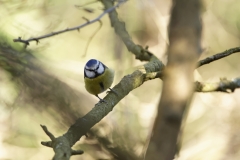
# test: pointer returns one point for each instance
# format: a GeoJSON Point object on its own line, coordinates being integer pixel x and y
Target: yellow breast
{"type": "Point", "coordinates": [101, 83]}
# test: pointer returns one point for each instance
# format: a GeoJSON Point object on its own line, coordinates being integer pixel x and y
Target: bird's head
{"type": "Point", "coordinates": [93, 68]}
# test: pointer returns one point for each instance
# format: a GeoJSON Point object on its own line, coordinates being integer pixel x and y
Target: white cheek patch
{"type": "Point", "coordinates": [90, 74]}
{"type": "Point", "coordinates": [100, 69]}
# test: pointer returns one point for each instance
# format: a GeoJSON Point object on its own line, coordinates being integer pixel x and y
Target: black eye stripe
{"type": "Point", "coordinates": [90, 70]}
{"type": "Point", "coordinates": [98, 66]}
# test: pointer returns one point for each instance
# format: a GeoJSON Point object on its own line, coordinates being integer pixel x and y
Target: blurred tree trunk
{"type": "Point", "coordinates": [183, 52]}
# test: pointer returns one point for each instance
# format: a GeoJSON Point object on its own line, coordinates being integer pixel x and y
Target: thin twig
{"type": "Point", "coordinates": [218, 56]}
{"type": "Point", "coordinates": [153, 75]}
{"type": "Point", "coordinates": [47, 143]}
{"type": "Point", "coordinates": [90, 39]}
{"type": "Point", "coordinates": [26, 42]}
{"type": "Point", "coordinates": [77, 152]}
{"type": "Point", "coordinates": [50, 135]}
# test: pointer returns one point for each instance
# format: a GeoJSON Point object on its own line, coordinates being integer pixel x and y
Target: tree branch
{"type": "Point", "coordinates": [202, 62]}
{"type": "Point", "coordinates": [26, 42]}
{"type": "Point", "coordinates": [50, 135]}
{"type": "Point", "coordinates": [224, 85]}
{"type": "Point", "coordinates": [82, 125]}
{"type": "Point", "coordinates": [218, 56]}
{"type": "Point", "coordinates": [141, 53]}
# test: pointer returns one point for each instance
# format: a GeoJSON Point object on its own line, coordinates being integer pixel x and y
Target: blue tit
{"type": "Point", "coordinates": [97, 77]}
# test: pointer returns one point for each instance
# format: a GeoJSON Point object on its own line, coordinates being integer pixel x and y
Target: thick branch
{"type": "Point", "coordinates": [26, 42]}
{"type": "Point", "coordinates": [82, 125]}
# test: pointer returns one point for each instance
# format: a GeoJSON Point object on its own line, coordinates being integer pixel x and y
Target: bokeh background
{"type": "Point", "coordinates": [44, 84]}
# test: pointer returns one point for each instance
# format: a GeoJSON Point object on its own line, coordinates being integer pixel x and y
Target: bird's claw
{"type": "Point", "coordinates": [102, 100]}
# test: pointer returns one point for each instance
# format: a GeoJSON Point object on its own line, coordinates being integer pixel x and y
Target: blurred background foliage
{"type": "Point", "coordinates": [43, 84]}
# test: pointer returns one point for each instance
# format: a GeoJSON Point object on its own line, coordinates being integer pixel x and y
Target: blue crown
{"type": "Point", "coordinates": [91, 63]}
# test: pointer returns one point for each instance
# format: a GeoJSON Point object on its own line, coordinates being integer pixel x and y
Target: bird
{"type": "Point", "coordinates": [97, 77]}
